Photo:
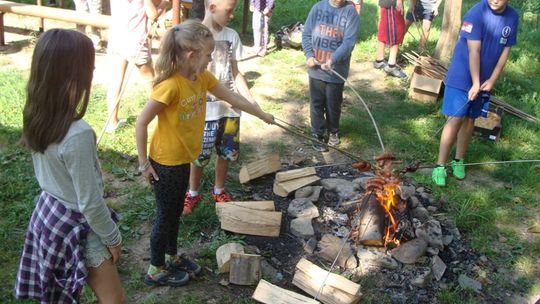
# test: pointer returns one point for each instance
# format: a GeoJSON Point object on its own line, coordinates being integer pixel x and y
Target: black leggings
{"type": "Point", "coordinates": [170, 191]}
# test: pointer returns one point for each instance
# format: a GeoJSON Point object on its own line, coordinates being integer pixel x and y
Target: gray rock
{"type": "Point", "coordinates": [423, 279]}
{"type": "Point", "coordinates": [432, 251]}
{"type": "Point", "coordinates": [369, 256]}
{"type": "Point", "coordinates": [344, 188]}
{"type": "Point", "coordinates": [447, 239]}
{"type": "Point", "coordinates": [405, 192]}
{"type": "Point", "coordinates": [302, 227]}
{"type": "Point", "coordinates": [420, 189]}
{"type": "Point", "coordinates": [468, 283]}
{"type": "Point", "coordinates": [410, 252]}
{"type": "Point", "coordinates": [302, 207]}
{"type": "Point", "coordinates": [362, 181]}
{"type": "Point", "coordinates": [330, 246]}
{"type": "Point", "coordinates": [432, 209]}
{"type": "Point", "coordinates": [431, 233]}
{"type": "Point", "coordinates": [421, 214]}
{"type": "Point", "coordinates": [310, 192]}
{"type": "Point", "coordinates": [310, 245]}
{"type": "Point", "coordinates": [438, 267]}
{"type": "Point", "coordinates": [269, 271]}
{"type": "Point", "coordinates": [414, 201]}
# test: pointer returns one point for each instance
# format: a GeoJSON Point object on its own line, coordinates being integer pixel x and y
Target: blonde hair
{"type": "Point", "coordinates": [190, 35]}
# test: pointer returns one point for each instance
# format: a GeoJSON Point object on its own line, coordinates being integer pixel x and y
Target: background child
{"type": "Point", "coordinates": [128, 42]}
{"type": "Point", "coordinates": [328, 43]}
{"type": "Point", "coordinates": [222, 125]}
{"type": "Point", "coordinates": [92, 7]}
{"type": "Point", "coordinates": [488, 32]}
{"type": "Point", "coordinates": [179, 101]}
{"type": "Point", "coordinates": [262, 11]}
{"type": "Point", "coordinates": [391, 33]}
{"type": "Point", "coordinates": [425, 11]}
{"type": "Point", "coordinates": [71, 238]}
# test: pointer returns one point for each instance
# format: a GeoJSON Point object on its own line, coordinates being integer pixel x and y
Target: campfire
{"type": "Point", "coordinates": [382, 217]}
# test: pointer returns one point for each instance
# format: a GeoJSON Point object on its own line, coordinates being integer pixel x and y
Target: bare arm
{"type": "Point", "coordinates": [241, 83]}
{"type": "Point", "coordinates": [151, 109]}
{"type": "Point", "coordinates": [154, 9]}
{"type": "Point", "coordinates": [488, 84]}
{"type": "Point", "coordinates": [474, 67]}
{"type": "Point", "coordinates": [238, 101]}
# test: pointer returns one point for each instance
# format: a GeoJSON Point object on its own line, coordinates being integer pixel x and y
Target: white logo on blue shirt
{"type": "Point", "coordinates": [506, 31]}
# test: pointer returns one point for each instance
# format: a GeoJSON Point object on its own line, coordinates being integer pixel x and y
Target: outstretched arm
{"type": "Point", "coordinates": [237, 101]}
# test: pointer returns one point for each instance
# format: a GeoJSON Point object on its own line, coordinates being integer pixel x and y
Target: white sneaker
{"type": "Point", "coordinates": [333, 140]}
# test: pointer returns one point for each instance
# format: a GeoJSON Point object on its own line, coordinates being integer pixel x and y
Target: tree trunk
{"type": "Point", "coordinates": [449, 30]}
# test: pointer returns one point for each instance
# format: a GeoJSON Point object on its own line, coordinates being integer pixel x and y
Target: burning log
{"type": "Point", "coordinates": [371, 223]}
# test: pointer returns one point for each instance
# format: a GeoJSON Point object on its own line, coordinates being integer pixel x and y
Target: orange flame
{"type": "Point", "coordinates": [388, 200]}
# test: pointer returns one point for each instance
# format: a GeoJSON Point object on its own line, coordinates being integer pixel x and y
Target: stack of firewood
{"type": "Point", "coordinates": [431, 67]}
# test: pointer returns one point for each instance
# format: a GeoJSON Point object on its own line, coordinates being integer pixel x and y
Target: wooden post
{"type": "Point", "coordinates": [2, 39]}
{"type": "Point", "coordinates": [41, 25]}
{"type": "Point", "coordinates": [176, 12]}
{"type": "Point", "coordinates": [245, 17]}
{"type": "Point", "coordinates": [449, 30]}
{"type": "Point", "coordinates": [271, 294]}
{"type": "Point", "coordinates": [245, 269]}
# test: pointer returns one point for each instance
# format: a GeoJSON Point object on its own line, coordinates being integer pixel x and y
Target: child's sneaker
{"type": "Point", "coordinates": [458, 169]}
{"type": "Point", "coordinates": [438, 176]}
{"type": "Point", "coordinates": [333, 139]}
{"type": "Point", "coordinates": [223, 197]}
{"type": "Point", "coordinates": [379, 64]}
{"type": "Point", "coordinates": [319, 147]}
{"type": "Point", "coordinates": [190, 202]}
{"type": "Point", "coordinates": [183, 264]}
{"type": "Point", "coordinates": [395, 71]}
{"type": "Point", "coordinates": [167, 278]}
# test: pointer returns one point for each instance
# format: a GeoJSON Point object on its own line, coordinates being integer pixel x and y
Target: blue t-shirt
{"type": "Point", "coordinates": [495, 31]}
{"type": "Point", "coordinates": [330, 33]}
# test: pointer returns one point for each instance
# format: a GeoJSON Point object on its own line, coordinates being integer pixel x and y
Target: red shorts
{"type": "Point", "coordinates": [391, 26]}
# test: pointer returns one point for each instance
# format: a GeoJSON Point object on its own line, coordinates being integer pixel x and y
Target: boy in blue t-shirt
{"type": "Point", "coordinates": [328, 40]}
{"type": "Point", "coordinates": [488, 32]}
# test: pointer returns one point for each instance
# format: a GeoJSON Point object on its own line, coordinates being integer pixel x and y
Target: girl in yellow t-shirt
{"type": "Point", "coordinates": [179, 101]}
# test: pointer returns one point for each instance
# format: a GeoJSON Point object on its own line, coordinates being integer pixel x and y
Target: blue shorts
{"type": "Point", "coordinates": [420, 14]}
{"type": "Point", "coordinates": [455, 103]}
{"type": "Point", "coordinates": [224, 136]}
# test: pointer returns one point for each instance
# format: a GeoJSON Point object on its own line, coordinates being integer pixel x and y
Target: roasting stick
{"type": "Point", "coordinates": [487, 163]}
{"type": "Point", "coordinates": [365, 106]}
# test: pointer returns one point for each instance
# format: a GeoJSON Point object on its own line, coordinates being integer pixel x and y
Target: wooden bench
{"type": "Point", "coordinates": [101, 21]}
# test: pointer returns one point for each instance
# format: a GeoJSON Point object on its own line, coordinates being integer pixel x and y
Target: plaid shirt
{"type": "Point", "coordinates": [52, 268]}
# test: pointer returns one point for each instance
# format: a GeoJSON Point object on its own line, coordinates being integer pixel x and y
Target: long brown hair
{"type": "Point", "coordinates": [190, 35]}
{"type": "Point", "coordinates": [58, 90]}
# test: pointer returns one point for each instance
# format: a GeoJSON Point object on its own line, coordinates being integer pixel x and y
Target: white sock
{"type": "Point", "coordinates": [218, 191]}
{"type": "Point", "coordinates": [193, 193]}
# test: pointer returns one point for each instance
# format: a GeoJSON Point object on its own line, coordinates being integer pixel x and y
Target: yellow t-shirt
{"type": "Point", "coordinates": [177, 138]}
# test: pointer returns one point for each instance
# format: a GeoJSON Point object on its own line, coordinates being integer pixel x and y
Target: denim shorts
{"type": "Point", "coordinates": [95, 253]}
{"type": "Point", "coordinates": [223, 135]}
{"type": "Point", "coordinates": [420, 14]}
{"type": "Point", "coordinates": [456, 103]}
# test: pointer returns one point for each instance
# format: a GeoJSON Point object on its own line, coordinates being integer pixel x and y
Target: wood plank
{"type": "Point", "coordinates": [254, 205]}
{"type": "Point", "coordinates": [285, 188]}
{"type": "Point", "coordinates": [336, 290]}
{"type": "Point", "coordinates": [272, 294]}
{"type": "Point", "coordinates": [46, 12]}
{"type": "Point", "coordinates": [249, 221]}
{"type": "Point", "coordinates": [258, 168]}
{"type": "Point", "coordinates": [294, 174]}
{"type": "Point", "coordinates": [223, 255]}
{"type": "Point", "coordinates": [245, 269]}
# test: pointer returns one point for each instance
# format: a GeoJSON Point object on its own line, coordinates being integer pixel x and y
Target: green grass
{"type": "Point", "coordinates": [502, 201]}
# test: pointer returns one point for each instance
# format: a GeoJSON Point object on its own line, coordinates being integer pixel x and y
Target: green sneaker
{"type": "Point", "coordinates": [438, 176]}
{"type": "Point", "coordinates": [458, 169]}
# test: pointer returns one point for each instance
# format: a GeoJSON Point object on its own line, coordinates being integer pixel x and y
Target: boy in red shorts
{"type": "Point", "coordinates": [391, 33]}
